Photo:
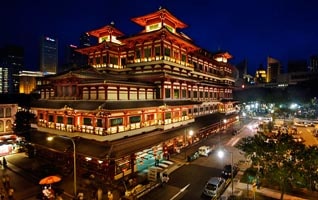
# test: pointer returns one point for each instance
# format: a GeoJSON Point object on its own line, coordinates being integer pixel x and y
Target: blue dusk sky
{"type": "Point", "coordinates": [247, 29]}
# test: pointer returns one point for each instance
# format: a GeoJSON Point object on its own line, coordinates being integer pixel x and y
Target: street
{"type": "Point", "coordinates": [187, 182]}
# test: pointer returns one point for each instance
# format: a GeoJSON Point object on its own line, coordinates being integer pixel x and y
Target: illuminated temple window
{"type": "Point", "coordinates": [172, 30]}
{"type": "Point", "coordinates": [153, 27]}
{"type": "Point", "coordinates": [109, 38]}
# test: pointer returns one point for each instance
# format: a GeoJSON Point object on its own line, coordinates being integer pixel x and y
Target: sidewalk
{"type": "Point", "coordinates": [241, 189]}
{"type": "Point", "coordinates": [24, 172]}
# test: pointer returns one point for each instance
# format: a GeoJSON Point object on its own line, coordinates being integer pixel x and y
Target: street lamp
{"type": "Point", "coordinates": [191, 135]}
{"type": "Point", "coordinates": [224, 122]}
{"type": "Point", "coordinates": [186, 134]}
{"type": "Point", "coordinates": [186, 140]}
{"type": "Point", "coordinates": [74, 157]}
{"type": "Point", "coordinates": [222, 126]}
{"type": "Point", "coordinates": [221, 155]}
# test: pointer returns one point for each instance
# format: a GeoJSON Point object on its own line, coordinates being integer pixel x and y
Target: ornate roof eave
{"type": "Point", "coordinates": [95, 106]}
{"type": "Point", "coordinates": [130, 41]}
{"type": "Point", "coordinates": [100, 46]}
{"type": "Point", "coordinates": [162, 13]}
{"type": "Point", "coordinates": [106, 30]}
{"type": "Point", "coordinates": [88, 73]}
{"type": "Point", "coordinates": [159, 76]}
{"type": "Point", "coordinates": [224, 54]}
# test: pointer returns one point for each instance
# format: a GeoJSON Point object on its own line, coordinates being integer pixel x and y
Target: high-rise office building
{"type": "Point", "coordinates": [48, 55]}
{"type": "Point", "coordinates": [242, 68]}
{"type": "Point", "coordinates": [313, 63]}
{"type": "Point", "coordinates": [73, 59]}
{"type": "Point", "coordinates": [273, 70]}
{"type": "Point", "coordinates": [84, 40]}
{"type": "Point", "coordinates": [11, 62]}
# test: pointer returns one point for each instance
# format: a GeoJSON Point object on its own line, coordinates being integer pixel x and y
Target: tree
{"type": "Point", "coordinates": [23, 120]}
{"type": "Point", "coordinates": [276, 157]}
{"type": "Point", "coordinates": [309, 165]}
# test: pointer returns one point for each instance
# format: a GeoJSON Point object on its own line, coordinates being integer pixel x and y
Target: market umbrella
{"type": "Point", "coordinates": [50, 180]}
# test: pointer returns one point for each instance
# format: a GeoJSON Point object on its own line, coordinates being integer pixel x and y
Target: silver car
{"type": "Point", "coordinates": [214, 187]}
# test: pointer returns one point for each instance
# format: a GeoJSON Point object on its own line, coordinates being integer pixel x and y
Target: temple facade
{"type": "Point", "coordinates": [157, 79]}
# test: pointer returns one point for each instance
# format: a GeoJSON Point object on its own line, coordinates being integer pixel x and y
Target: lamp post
{"type": "Point", "coordinates": [191, 135]}
{"type": "Point", "coordinates": [186, 134]}
{"type": "Point", "coordinates": [224, 122]}
{"type": "Point", "coordinates": [222, 126]}
{"type": "Point", "coordinates": [221, 155]}
{"type": "Point", "coordinates": [74, 157]}
{"type": "Point", "coordinates": [186, 140]}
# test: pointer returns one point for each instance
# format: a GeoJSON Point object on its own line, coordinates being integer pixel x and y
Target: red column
{"type": "Point", "coordinates": [171, 90]}
{"type": "Point", "coordinates": [142, 118]}
{"type": "Point", "coordinates": [163, 93]}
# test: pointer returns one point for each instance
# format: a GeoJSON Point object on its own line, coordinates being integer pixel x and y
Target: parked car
{"type": "Point", "coordinates": [214, 187]}
{"type": "Point", "coordinates": [235, 132]}
{"type": "Point", "coordinates": [193, 156]}
{"type": "Point", "coordinates": [227, 171]}
{"type": "Point", "coordinates": [297, 138]}
{"type": "Point", "coordinates": [205, 150]}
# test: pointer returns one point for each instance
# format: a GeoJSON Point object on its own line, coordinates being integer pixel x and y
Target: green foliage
{"type": "Point", "coordinates": [283, 161]}
{"type": "Point", "coordinates": [23, 121]}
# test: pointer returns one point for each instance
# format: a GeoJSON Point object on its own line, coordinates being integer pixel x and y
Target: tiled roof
{"type": "Point", "coordinates": [107, 105]}
{"type": "Point", "coordinates": [119, 148]}
{"type": "Point", "coordinates": [84, 147]}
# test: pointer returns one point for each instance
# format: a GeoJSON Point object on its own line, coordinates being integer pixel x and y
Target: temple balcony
{"type": "Point", "coordinates": [112, 133]}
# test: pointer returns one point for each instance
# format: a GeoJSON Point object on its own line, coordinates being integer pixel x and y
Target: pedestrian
{"type": "Point", "coordinates": [10, 194]}
{"type": "Point", "coordinates": [110, 195]}
{"type": "Point", "coordinates": [4, 162]}
{"type": "Point", "coordinates": [99, 194]}
{"type": "Point", "coordinates": [80, 196]}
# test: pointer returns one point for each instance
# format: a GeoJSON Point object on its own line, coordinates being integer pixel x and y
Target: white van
{"type": "Point", "coordinates": [204, 150]}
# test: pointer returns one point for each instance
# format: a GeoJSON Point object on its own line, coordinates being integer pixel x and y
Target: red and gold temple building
{"type": "Point", "coordinates": [157, 79]}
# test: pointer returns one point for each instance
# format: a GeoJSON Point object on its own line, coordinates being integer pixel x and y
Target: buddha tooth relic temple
{"type": "Point", "coordinates": [137, 98]}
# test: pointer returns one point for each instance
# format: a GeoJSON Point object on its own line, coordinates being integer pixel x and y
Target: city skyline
{"type": "Point", "coordinates": [248, 30]}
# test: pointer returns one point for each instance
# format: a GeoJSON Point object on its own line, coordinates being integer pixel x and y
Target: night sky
{"type": "Point", "coordinates": [251, 29]}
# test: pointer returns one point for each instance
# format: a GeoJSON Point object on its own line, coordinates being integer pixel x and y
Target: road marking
{"type": "Point", "coordinates": [232, 142]}
{"type": "Point", "coordinates": [181, 190]}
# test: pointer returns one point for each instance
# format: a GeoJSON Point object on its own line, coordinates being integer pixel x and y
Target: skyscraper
{"type": "Point", "coordinates": [48, 55]}
{"type": "Point", "coordinates": [313, 63]}
{"type": "Point", "coordinates": [273, 70]}
{"type": "Point", "coordinates": [73, 59]}
{"type": "Point", "coordinates": [84, 40]}
{"type": "Point", "coordinates": [11, 62]}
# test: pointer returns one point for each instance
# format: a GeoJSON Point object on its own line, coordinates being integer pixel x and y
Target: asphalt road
{"type": "Point", "coordinates": [188, 181]}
